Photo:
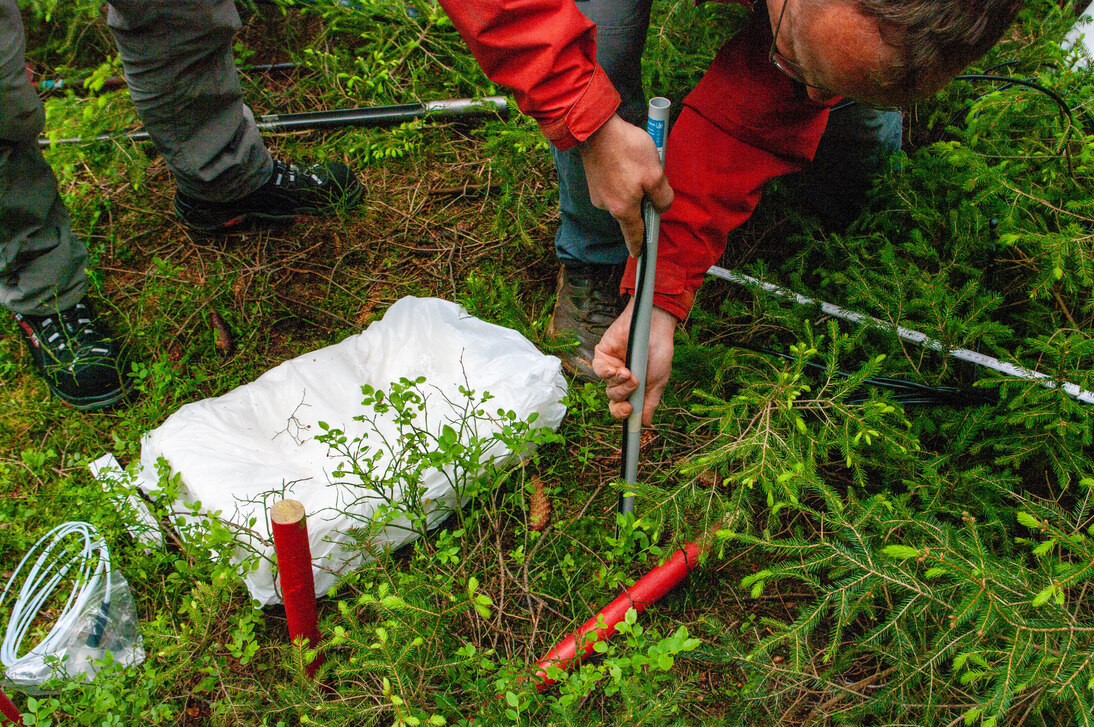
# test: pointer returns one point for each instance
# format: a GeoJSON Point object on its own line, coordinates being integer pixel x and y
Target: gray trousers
{"type": "Point", "coordinates": [178, 62]}
{"type": "Point", "coordinates": [850, 151]}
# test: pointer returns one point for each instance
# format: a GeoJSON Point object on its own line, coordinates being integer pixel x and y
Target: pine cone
{"type": "Point", "coordinates": [540, 511]}
{"type": "Point", "coordinates": [225, 342]}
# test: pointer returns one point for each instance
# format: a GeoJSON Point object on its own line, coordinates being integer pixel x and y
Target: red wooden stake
{"type": "Point", "coordinates": [640, 596]}
{"type": "Point", "coordinates": [290, 535]}
{"type": "Point", "coordinates": [10, 711]}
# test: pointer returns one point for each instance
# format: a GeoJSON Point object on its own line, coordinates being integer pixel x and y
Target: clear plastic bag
{"type": "Point", "coordinates": [98, 616]}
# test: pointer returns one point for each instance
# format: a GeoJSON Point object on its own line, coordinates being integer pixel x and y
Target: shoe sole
{"type": "Point", "coordinates": [245, 221]}
{"type": "Point", "coordinates": [240, 222]}
{"type": "Point", "coordinates": [580, 370]}
{"type": "Point", "coordinates": [92, 403]}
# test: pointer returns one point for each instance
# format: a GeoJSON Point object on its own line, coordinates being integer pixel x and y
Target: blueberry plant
{"type": "Point", "coordinates": [877, 557]}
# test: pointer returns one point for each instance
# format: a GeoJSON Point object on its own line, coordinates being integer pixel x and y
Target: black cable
{"type": "Point", "coordinates": [1065, 110]}
{"type": "Point", "coordinates": [1009, 80]}
{"type": "Point", "coordinates": [1001, 64]}
{"type": "Point", "coordinates": [905, 392]}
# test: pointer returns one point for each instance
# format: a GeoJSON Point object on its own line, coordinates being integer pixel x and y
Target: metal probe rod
{"type": "Point", "coordinates": [369, 116]}
{"type": "Point", "coordinates": [638, 342]}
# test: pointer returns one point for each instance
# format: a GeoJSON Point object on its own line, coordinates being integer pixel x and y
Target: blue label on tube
{"type": "Point", "coordinates": [656, 129]}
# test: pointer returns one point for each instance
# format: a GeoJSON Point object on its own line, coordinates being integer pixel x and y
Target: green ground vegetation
{"type": "Point", "coordinates": [873, 562]}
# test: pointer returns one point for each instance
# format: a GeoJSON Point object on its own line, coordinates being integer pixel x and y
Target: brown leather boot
{"type": "Point", "coordinates": [586, 303]}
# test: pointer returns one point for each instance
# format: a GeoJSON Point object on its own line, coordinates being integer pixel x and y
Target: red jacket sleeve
{"type": "Point", "coordinates": [545, 51]}
{"type": "Point", "coordinates": [742, 126]}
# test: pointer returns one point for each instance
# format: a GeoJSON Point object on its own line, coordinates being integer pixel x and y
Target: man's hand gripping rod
{"type": "Point", "coordinates": [638, 340]}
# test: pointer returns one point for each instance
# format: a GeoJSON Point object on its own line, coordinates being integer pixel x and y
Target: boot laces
{"type": "Point", "coordinates": [287, 175]}
{"type": "Point", "coordinates": [72, 328]}
{"type": "Point", "coordinates": [604, 299]}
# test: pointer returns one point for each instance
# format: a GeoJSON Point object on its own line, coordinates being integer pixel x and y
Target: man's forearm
{"type": "Point", "coordinates": [545, 51]}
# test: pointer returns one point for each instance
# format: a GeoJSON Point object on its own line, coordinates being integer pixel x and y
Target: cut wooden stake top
{"type": "Point", "coordinates": [287, 512]}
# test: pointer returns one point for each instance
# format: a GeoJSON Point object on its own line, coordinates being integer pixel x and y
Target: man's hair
{"type": "Point", "coordinates": [938, 38]}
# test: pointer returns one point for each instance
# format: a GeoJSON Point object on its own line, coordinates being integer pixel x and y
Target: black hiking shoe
{"type": "Point", "coordinates": [78, 358]}
{"type": "Point", "coordinates": [587, 302]}
{"type": "Point", "coordinates": [290, 193]}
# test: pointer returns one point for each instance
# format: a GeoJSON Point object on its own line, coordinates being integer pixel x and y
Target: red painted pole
{"type": "Point", "coordinates": [646, 591]}
{"type": "Point", "coordinates": [290, 535]}
{"type": "Point", "coordinates": [10, 711]}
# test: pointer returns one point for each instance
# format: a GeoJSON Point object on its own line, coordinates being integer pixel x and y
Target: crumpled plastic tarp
{"type": "Point", "coordinates": [241, 452]}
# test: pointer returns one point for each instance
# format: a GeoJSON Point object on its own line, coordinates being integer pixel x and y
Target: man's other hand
{"type": "Point", "coordinates": [609, 362]}
{"type": "Point", "coordinates": [622, 167]}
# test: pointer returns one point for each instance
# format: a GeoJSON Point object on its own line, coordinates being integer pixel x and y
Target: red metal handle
{"type": "Point", "coordinates": [645, 592]}
{"type": "Point", "coordinates": [10, 711]}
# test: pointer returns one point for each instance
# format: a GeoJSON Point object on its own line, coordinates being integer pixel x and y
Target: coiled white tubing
{"type": "Point", "coordinates": [53, 560]}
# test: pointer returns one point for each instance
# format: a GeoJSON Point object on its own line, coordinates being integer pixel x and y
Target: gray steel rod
{"type": "Point", "coordinates": [638, 342]}
{"type": "Point", "coordinates": [366, 117]}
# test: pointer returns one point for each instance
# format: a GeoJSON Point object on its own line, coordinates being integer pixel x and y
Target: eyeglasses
{"type": "Point", "coordinates": [783, 63]}
{"type": "Point", "coordinates": [794, 73]}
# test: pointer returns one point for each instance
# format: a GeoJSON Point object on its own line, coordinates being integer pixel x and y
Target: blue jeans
{"type": "Point", "coordinates": [850, 153]}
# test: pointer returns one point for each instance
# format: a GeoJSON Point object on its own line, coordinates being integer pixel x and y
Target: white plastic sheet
{"type": "Point", "coordinates": [238, 453]}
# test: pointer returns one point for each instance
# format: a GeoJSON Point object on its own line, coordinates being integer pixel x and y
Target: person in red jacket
{"type": "Point", "coordinates": [759, 112]}
{"type": "Point", "coordinates": [589, 242]}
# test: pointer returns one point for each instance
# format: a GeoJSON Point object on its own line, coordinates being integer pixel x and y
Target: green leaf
{"type": "Point", "coordinates": [1042, 598]}
{"type": "Point", "coordinates": [1024, 518]}
{"type": "Point", "coordinates": [393, 602]}
{"type": "Point", "coordinates": [973, 675]}
{"type": "Point", "coordinates": [1045, 547]}
{"type": "Point", "coordinates": [900, 552]}
{"type": "Point", "coordinates": [758, 576]}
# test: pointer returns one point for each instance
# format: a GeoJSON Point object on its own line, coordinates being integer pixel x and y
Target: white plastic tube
{"type": "Point", "coordinates": [53, 560]}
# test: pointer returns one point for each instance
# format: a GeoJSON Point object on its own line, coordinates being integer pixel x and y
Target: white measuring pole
{"type": "Point", "coordinates": [906, 334]}
{"type": "Point", "coordinates": [638, 342]}
{"type": "Point", "coordinates": [1079, 39]}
